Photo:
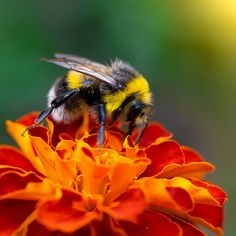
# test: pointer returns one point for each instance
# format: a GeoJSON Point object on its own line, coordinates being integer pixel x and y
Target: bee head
{"type": "Point", "coordinates": [138, 113]}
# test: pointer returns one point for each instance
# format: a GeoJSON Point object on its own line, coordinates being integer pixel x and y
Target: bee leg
{"type": "Point", "coordinates": [54, 104]}
{"type": "Point", "coordinates": [132, 126]}
{"type": "Point", "coordinates": [115, 115]}
{"type": "Point", "coordinates": [102, 121]}
{"type": "Point", "coordinates": [141, 131]}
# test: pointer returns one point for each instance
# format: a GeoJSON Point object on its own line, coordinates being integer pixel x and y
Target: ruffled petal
{"type": "Point", "coordinates": [28, 119]}
{"type": "Point", "coordinates": [191, 169]}
{"type": "Point", "coordinates": [123, 174]}
{"type": "Point", "coordinates": [214, 190]}
{"type": "Point", "coordinates": [191, 155]}
{"type": "Point", "coordinates": [106, 226]}
{"type": "Point", "coordinates": [152, 223]}
{"type": "Point", "coordinates": [95, 175]}
{"type": "Point", "coordinates": [178, 196]}
{"type": "Point", "coordinates": [15, 130]}
{"type": "Point", "coordinates": [154, 133]}
{"type": "Point", "coordinates": [54, 166]}
{"type": "Point", "coordinates": [56, 130]}
{"type": "Point", "coordinates": [128, 206]}
{"type": "Point", "coordinates": [209, 216]}
{"type": "Point", "coordinates": [67, 214]}
{"type": "Point", "coordinates": [12, 181]}
{"type": "Point", "coordinates": [13, 213]}
{"type": "Point", "coordinates": [188, 228]}
{"type": "Point", "coordinates": [161, 155]}
{"type": "Point", "coordinates": [11, 156]}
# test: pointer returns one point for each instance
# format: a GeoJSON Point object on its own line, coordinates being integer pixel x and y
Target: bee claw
{"type": "Point", "coordinates": [27, 129]}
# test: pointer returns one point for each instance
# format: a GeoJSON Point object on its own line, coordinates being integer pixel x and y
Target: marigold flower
{"type": "Point", "coordinates": [58, 182]}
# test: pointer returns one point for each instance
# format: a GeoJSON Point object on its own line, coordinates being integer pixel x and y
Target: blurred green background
{"type": "Point", "coordinates": [186, 49]}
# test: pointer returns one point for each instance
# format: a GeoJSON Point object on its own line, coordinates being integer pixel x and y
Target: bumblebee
{"type": "Point", "coordinates": [103, 90]}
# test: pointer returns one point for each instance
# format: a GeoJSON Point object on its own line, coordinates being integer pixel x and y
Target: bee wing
{"type": "Point", "coordinates": [81, 60]}
{"type": "Point", "coordinates": [85, 68]}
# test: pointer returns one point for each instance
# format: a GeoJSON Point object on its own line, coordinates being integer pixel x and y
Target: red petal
{"type": "Point", "coordinates": [129, 205]}
{"type": "Point", "coordinates": [36, 229]}
{"type": "Point", "coordinates": [188, 228]}
{"type": "Point", "coordinates": [61, 128]}
{"type": "Point", "coordinates": [181, 197]}
{"type": "Point", "coordinates": [152, 223]}
{"type": "Point", "coordinates": [210, 214]}
{"type": "Point", "coordinates": [11, 156]}
{"type": "Point", "coordinates": [28, 119]}
{"type": "Point", "coordinates": [106, 227]}
{"type": "Point", "coordinates": [191, 155]}
{"type": "Point", "coordinates": [13, 213]}
{"type": "Point", "coordinates": [12, 181]}
{"type": "Point", "coordinates": [153, 132]}
{"type": "Point", "coordinates": [91, 140]}
{"type": "Point", "coordinates": [161, 155]}
{"type": "Point", "coordinates": [214, 190]}
{"type": "Point", "coordinates": [41, 132]}
{"type": "Point", "coordinates": [67, 214]}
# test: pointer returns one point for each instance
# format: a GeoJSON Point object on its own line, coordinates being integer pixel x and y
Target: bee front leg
{"type": "Point", "coordinates": [102, 121]}
{"type": "Point", "coordinates": [58, 101]}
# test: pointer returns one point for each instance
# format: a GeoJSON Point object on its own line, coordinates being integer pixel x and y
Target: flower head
{"type": "Point", "coordinates": [58, 182]}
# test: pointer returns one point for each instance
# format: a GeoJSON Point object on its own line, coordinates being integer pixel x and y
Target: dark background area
{"type": "Point", "coordinates": [185, 49]}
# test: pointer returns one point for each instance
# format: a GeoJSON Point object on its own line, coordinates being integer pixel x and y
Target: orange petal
{"type": "Point", "coordinates": [58, 170]}
{"type": "Point", "coordinates": [152, 223]}
{"type": "Point", "coordinates": [123, 174]}
{"type": "Point", "coordinates": [65, 149]}
{"type": "Point", "coordinates": [131, 149]}
{"type": "Point", "coordinates": [11, 156]}
{"type": "Point", "coordinates": [67, 214]}
{"type": "Point", "coordinates": [158, 194]}
{"type": "Point", "coordinates": [13, 213]}
{"type": "Point", "coordinates": [191, 169]}
{"type": "Point", "coordinates": [94, 174]}
{"type": "Point", "coordinates": [15, 130]}
{"type": "Point", "coordinates": [161, 155]}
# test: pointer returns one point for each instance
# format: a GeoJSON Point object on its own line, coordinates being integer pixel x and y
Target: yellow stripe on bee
{"type": "Point", "coordinates": [75, 79]}
{"type": "Point", "coordinates": [137, 85]}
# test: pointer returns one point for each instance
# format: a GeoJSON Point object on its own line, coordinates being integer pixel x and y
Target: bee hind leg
{"type": "Point", "coordinates": [58, 101]}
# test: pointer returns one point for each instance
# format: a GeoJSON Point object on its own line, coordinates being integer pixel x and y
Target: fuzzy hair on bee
{"type": "Point", "coordinates": [112, 91]}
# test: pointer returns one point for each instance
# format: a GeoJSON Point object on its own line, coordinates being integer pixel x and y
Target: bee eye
{"type": "Point", "coordinates": [134, 110]}
{"type": "Point", "coordinates": [119, 86]}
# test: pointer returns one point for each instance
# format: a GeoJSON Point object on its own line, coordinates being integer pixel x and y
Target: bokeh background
{"type": "Point", "coordinates": [186, 49]}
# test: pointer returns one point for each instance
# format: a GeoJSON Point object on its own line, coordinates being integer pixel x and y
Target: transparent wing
{"type": "Point", "coordinates": [84, 66]}
{"type": "Point", "coordinates": [81, 60]}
